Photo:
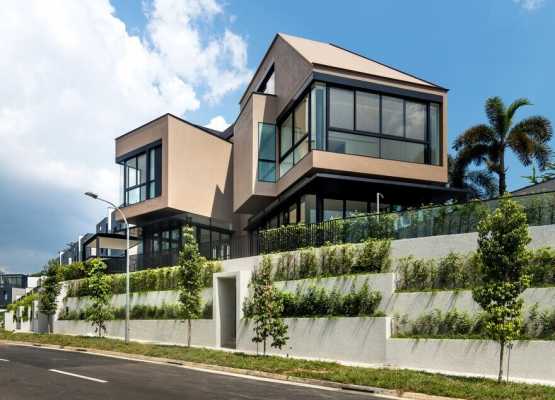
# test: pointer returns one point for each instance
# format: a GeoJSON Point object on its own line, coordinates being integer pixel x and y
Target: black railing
{"type": "Point", "coordinates": [421, 222]}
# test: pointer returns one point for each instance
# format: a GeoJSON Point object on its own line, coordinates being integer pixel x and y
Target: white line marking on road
{"type": "Point", "coordinates": [78, 376]}
{"type": "Point", "coordinates": [3, 359]}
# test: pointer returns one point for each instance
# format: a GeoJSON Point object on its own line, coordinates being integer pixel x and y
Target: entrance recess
{"type": "Point", "coordinates": [228, 311]}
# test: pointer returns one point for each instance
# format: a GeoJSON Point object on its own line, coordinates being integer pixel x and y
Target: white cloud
{"type": "Point", "coordinates": [76, 79]}
{"type": "Point", "coordinates": [530, 5]}
{"type": "Point", "coordinates": [218, 123]}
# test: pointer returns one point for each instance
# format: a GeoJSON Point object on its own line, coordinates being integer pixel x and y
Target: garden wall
{"type": "Point", "coordinates": [170, 332]}
{"type": "Point", "coordinates": [349, 339]}
{"type": "Point", "coordinates": [530, 361]}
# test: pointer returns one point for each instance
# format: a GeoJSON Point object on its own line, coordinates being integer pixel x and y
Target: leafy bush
{"type": "Point", "coordinates": [374, 256]}
{"type": "Point", "coordinates": [75, 270]}
{"type": "Point", "coordinates": [457, 324]}
{"type": "Point", "coordinates": [319, 302]}
{"type": "Point", "coordinates": [541, 267]}
{"type": "Point", "coordinates": [308, 266]}
{"type": "Point", "coordinates": [158, 279]}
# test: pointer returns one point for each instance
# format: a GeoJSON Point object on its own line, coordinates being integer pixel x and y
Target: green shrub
{"type": "Point", "coordinates": [286, 268]}
{"type": "Point", "coordinates": [416, 274]}
{"type": "Point", "coordinates": [319, 302]}
{"type": "Point", "coordinates": [158, 279]}
{"type": "Point", "coordinates": [541, 267]}
{"type": "Point", "coordinates": [374, 256]}
{"type": "Point", "coordinates": [308, 266]}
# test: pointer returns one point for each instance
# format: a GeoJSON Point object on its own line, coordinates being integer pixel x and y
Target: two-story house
{"type": "Point", "coordinates": [320, 132]}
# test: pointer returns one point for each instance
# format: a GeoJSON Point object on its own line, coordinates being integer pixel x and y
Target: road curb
{"type": "Point", "coordinates": [380, 392]}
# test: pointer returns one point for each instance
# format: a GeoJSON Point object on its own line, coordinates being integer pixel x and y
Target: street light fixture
{"type": "Point", "coordinates": [96, 197]}
{"type": "Point", "coordinates": [378, 197]}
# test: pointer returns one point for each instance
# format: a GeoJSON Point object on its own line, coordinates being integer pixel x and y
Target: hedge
{"type": "Point", "coordinates": [158, 279]}
{"type": "Point", "coordinates": [139, 312]}
{"type": "Point", "coordinates": [334, 260]}
{"type": "Point", "coordinates": [318, 302]}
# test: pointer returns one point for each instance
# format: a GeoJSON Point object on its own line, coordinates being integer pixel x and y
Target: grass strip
{"type": "Point", "coordinates": [397, 379]}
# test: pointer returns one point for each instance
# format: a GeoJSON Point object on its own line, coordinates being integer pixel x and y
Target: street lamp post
{"type": "Point", "coordinates": [96, 197]}
{"type": "Point", "coordinates": [378, 197]}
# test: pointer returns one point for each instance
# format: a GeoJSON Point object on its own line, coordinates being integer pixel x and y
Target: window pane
{"type": "Point", "coordinates": [142, 192]}
{"type": "Point", "coordinates": [415, 120]}
{"type": "Point", "coordinates": [270, 87]}
{"type": "Point", "coordinates": [301, 119]}
{"type": "Point", "coordinates": [300, 151]}
{"type": "Point", "coordinates": [285, 135]}
{"type": "Point", "coordinates": [151, 190]}
{"type": "Point", "coordinates": [141, 168]}
{"type": "Point", "coordinates": [152, 164]}
{"type": "Point", "coordinates": [267, 171]}
{"type": "Point", "coordinates": [286, 165]}
{"type": "Point", "coordinates": [341, 108]}
{"type": "Point", "coordinates": [204, 236]}
{"type": "Point", "coordinates": [392, 116]}
{"type": "Point", "coordinates": [368, 112]}
{"type": "Point", "coordinates": [293, 213]}
{"type": "Point", "coordinates": [318, 117]}
{"type": "Point", "coordinates": [435, 140]}
{"type": "Point", "coordinates": [403, 151]}
{"type": "Point", "coordinates": [133, 196]}
{"type": "Point", "coordinates": [353, 207]}
{"type": "Point", "coordinates": [267, 141]}
{"type": "Point", "coordinates": [131, 172]}
{"type": "Point", "coordinates": [333, 209]}
{"type": "Point", "coordinates": [308, 209]}
{"type": "Point", "coordinates": [347, 143]}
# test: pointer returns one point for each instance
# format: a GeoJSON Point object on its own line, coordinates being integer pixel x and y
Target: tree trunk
{"type": "Point", "coordinates": [49, 324]}
{"type": "Point", "coordinates": [502, 175]}
{"type": "Point", "coordinates": [501, 354]}
{"type": "Point", "coordinates": [264, 351]}
{"type": "Point", "coordinates": [189, 333]}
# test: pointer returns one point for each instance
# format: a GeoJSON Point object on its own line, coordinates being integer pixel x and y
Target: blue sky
{"type": "Point", "coordinates": [83, 73]}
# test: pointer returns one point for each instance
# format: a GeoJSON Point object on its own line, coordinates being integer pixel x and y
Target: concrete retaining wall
{"type": "Point", "coordinates": [350, 339]}
{"type": "Point", "coordinates": [171, 332]}
{"type": "Point", "coordinates": [530, 361]}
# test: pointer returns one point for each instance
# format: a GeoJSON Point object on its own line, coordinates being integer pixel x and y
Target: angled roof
{"type": "Point", "coordinates": [330, 55]}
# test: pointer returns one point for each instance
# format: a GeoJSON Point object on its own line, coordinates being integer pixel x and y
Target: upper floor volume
{"type": "Point", "coordinates": [321, 130]}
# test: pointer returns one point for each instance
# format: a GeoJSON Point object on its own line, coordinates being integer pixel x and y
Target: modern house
{"type": "Point", "coordinates": [14, 286]}
{"type": "Point", "coordinates": [321, 132]}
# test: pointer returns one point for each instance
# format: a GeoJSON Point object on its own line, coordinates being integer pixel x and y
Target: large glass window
{"type": "Point", "coordinates": [294, 137]}
{"type": "Point", "coordinates": [435, 134]}
{"type": "Point", "coordinates": [354, 207]}
{"type": "Point", "coordinates": [333, 209]}
{"type": "Point", "coordinates": [392, 116]}
{"type": "Point", "coordinates": [318, 117]}
{"type": "Point", "coordinates": [308, 209]}
{"type": "Point", "coordinates": [367, 112]}
{"type": "Point", "coordinates": [141, 176]}
{"type": "Point", "coordinates": [403, 151]}
{"type": "Point", "coordinates": [340, 142]}
{"type": "Point", "coordinates": [341, 108]}
{"type": "Point", "coordinates": [266, 152]}
{"type": "Point", "coordinates": [415, 120]}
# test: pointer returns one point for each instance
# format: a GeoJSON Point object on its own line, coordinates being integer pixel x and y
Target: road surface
{"type": "Point", "coordinates": [30, 373]}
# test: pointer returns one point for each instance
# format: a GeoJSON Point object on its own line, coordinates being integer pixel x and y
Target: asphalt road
{"type": "Point", "coordinates": [35, 373]}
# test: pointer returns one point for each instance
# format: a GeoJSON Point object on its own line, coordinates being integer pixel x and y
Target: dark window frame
{"type": "Point", "coordinates": [379, 135]}
{"type": "Point", "coordinates": [157, 179]}
{"type": "Point", "coordinates": [306, 94]}
{"type": "Point", "coordinates": [265, 160]}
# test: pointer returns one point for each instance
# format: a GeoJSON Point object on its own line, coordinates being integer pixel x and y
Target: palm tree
{"type": "Point", "coordinates": [486, 144]}
{"type": "Point", "coordinates": [481, 184]}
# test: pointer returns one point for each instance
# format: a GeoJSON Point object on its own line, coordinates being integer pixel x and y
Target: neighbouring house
{"type": "Point", "coordinates": [321, 132]}
{"type": "Point", "coordinates": [14, 286]}
{"type": "Point", "coordinates": [542, 187]}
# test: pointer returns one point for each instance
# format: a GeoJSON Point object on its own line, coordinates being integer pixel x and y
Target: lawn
{"type": "Point", "coordinates": [402, 380]}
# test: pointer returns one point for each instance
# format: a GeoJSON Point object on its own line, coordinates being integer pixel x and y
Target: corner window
{"type": "Point", "coordinates": [318, 116]}
{"type": "Point", "coordinates": [293, 137]}
{"type": "Point", "coordinates": [435, 134]}
{"type": "Point", "coordinates": [142, 176]}
{"type": "Point", "coordinates": [266, 152]}
{"type": "Point", "coordinates": [341, 108]}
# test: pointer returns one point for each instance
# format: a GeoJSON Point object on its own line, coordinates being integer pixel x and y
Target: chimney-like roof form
{"type": "Point", "coordinates": [330, 55]}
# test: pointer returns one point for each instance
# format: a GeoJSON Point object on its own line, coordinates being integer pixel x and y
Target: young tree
{"type": "Point", "coordinates": [191, 265]}
{"type": "Point", "coordinates": [267, 308]}
{"type": "Point", "coordinates": [50, 289]}
{"type": "Point", "coordinates": [502, 240]}
{"type": "Point", "coordinates": [99, 288]}
{"type": "Point", "coordinates": [486, 144]}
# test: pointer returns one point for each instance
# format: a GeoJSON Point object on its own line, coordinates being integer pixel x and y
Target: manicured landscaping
{"type": "Point", "coordinates": [401, 380]}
